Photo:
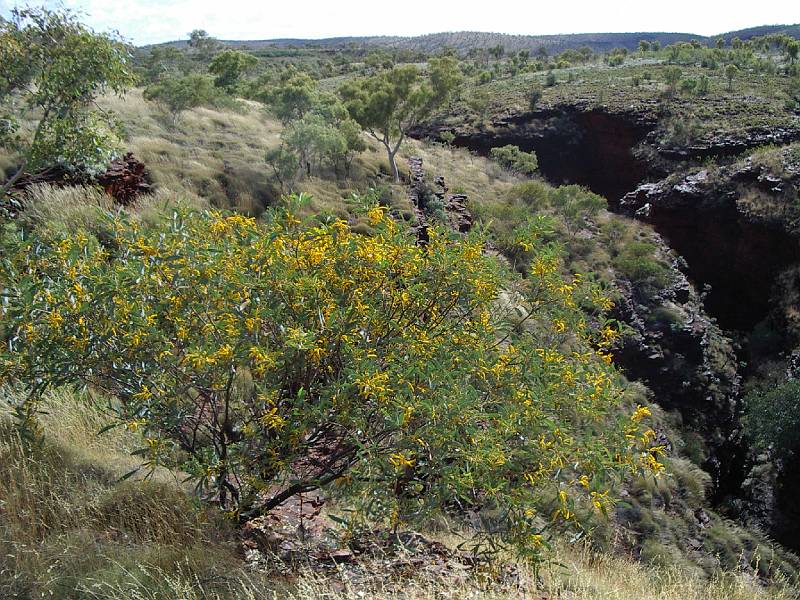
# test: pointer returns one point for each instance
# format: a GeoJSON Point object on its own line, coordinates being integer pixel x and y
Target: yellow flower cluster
{"type": "Point", "coordinates": [279, 331]}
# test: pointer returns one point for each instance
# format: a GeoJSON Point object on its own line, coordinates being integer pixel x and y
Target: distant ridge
{"type": "Point", "coordinates": [463, 40]}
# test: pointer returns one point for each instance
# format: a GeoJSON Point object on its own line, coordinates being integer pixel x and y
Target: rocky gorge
{"type": "Point", "coordinates": [724, 208]}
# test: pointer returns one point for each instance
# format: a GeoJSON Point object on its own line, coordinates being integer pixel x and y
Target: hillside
{"type": "Point", "coordinates": [464, 40]}
{"type": "Point", "coordinates": [158, 545]}
{"type": "Point", "coordinates": [357, 318]}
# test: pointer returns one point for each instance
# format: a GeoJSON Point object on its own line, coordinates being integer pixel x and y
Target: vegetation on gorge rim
{"type": "Point", "coordinates": [316, 343]}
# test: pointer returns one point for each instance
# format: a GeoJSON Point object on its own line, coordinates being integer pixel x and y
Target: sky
{"type": "Point", "coordinates": [151, 21]}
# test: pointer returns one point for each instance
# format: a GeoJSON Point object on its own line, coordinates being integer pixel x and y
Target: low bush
{"type": "Point", "coordinates": [514, 159]}
{"type": "Point", "coordinates": [772, 415]}
{"type": "Point", "coordinates": [637, 262]}
{"type": "Point", "coordinates": [266, 359]}
{"type": "Point", "coordinates": [178, 94]}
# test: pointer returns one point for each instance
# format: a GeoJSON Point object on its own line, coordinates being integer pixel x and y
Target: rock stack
{"type": "Point", "coordinates": [125, 179]}
{"type": "Point", "coordinates": [455, 205]}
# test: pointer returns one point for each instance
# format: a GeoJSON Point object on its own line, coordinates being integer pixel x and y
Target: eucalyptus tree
{"type": "Point", "coordinates": [52, 68]}
{"type": "Point", "coordinates": [389, 104]}
{"type": "Point", "coordinates": [792, 50]}
{"type": "Point", "coordinates": [229, 66]}
{"type": "Point", "coordinates": [731, 70]}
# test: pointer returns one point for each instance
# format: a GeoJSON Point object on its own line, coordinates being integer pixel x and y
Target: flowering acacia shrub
{"type": "Point", "coordinates": [265, 359]}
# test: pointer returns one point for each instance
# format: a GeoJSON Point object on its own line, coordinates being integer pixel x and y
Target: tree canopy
{"type": "Point", "coordinates": [229, 66]}
{"type": "Point", "coordinates": [51, 69]}
{"type": "Point", "coordinates": [178, 94]}
{"type": "Point", "coordinates": [388, 104]}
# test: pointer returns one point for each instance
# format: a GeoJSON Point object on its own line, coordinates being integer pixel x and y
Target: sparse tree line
{"type": "Point", "coordinates": [56, 89]}
{"type": "Point", "coordinates": [382, 95]}
{"type": "Point", "coordinates": [768, 55]}
{"type": "Point", "coordinates": [322, 130]}
{"type": "Point", "coordinates": [245, 74]}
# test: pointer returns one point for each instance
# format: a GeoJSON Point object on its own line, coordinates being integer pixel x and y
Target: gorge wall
{"type": "Point", "coordinates": [729, 254]}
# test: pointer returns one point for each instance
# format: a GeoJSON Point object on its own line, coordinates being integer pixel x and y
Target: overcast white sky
{"type": "Point", "coordinates": [149, 21]}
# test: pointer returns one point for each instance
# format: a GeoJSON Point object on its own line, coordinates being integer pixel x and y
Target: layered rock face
{"type": "Point", "coordinates": [589, 147]}
{"type": "Point", "coordinates": [738, 227]}
{"type": "Point", "coordinates": [738, 255]}
{"type": "Point", "coordinates": [680, 353]}
{"type": "Point", "coordinates": [423, 197]}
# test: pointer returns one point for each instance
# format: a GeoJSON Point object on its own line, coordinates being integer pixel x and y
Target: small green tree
{"type": "Point", "coordinates": [165, 61]}
{"type": "Point", "coordinates": [672, 75]}
{"type": "Point", "coordinates": [793, 93]}
{"type": "Point", "coordinates": [387, 105]}
{"type": "Point", "coordinates": [229, 66]}
{"type": "Point", "coordinates": [534, 95]}
{"type": "Point", "coordinates": [315, 141]}
{"type": "Point", "coordinates": [644, 46]}
{"type": "Point", "coordinates": [445, 77]}
{"type": "Point", "coordinates": [792, 51]}
{"type": "Point", "coordinates": [689, 86]}
{"type": "Point", "coordinates": [497, 51]}
{"type": "Point", "coordinates": [731, 70]}
{"type": "Point", "coordinates": [203, 44]}
{"type": "Point", "coordinates": [292, 97]}
{"type": "Point", "coordinates": [334, 112]}
{"type": "Point", "coordinates": [325, 135]}
{"type": "Point", "coordinates": [378, 61]}
{"type": "Point", "coordinates": [52, 68]}
{"type": "Point", "coordinates": [285, 166]}
{"type": "Point", "coordinates": [478, 102]}
{"type": "Point", "coordinates": [703, 85]}
{"type": "Point", "coordinates": [178, 94]}
{"type": "Point", "coordinates": [512, 158]}
{"type": "Point", "coordinates": [674, 52]}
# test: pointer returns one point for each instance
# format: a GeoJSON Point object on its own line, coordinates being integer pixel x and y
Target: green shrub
{"type": "Point", "coordinates": [178, 94]}
{"type": "Point", "coordinates": [535, 194]}
{"type": "Point", "coordinates": [637, 262]}
{"type": "Point", "coordinates": [229, 66]}
{"type": "Point", "coordinates": [447, 137]}
{"type": "Point", "coordinates": [268, 359]}
{"type": "Point", "coordinates": [689, 86]}
{"type": "Point", "coordinates": [512, 158]}
{"type": "Point", "coordinates": [534, 95]}
{"type": "Point", "coordinates": [574, 204]}
{"type": "Point", "coordinates": [664, 315]}
{"type": "Point", "coordinates": [772, 415]}
{"type": "Point", "coordinates": [703, 85]}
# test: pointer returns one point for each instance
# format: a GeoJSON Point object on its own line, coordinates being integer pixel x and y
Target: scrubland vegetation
{"type": "Point", "coordinates": [277, 318]}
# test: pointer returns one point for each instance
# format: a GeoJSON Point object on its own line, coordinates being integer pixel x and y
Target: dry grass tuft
{"type": "Point", "coordinates": [68, 530]}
